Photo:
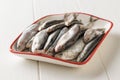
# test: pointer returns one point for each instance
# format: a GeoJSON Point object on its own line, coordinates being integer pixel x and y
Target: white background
{"type": "Point", "coordinates": [16, 15]}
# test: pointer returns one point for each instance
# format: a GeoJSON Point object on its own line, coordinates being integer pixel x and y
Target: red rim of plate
{"type": "Point", "coordinates": [71, 62]}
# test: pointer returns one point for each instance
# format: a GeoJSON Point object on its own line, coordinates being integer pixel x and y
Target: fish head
{"type": "Point", "coordinates": [89, 35]}
{"type": "Point", "coordinates": [69, 17]}
{"type": "Point", "coordinates": [59, 48]}
{"type": "Point", "coordinates": [20, 46]}
{"type": "Point", "coordinates": [99, 31]}
{"type": "Point", "coordinates": [92, 33]}
{"type": "Point", "coordinates": [35, 47]}
{"type": "Point", "coordinates": [41, 25]}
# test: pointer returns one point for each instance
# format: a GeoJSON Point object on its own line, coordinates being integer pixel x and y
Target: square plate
{"type": "Point", "coordinates": [101, 23]}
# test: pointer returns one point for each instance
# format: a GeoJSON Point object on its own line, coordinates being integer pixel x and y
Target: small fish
{"type": "Point", "coordinates": [55, 27]}
{"type": "Point", "coordinates": [47, 24]}
{"type": "Point", "coordinates": [26, 36]}
{"type": "Point", "coordinates": [89, 48]}
{"type": "Point", "coordinates": [73, 51]}
{"type": "Point", "coordinates": [69, 18]}
{"type": "Point", "coordinates": [39, 40]}
{"type": "Point", "coordinates": [92, 33]}
{"type": "Point", "coordinates": [68, 38]}
{"type": "Point", "coordinates": [51, 39]}
{"type": "Point", "coordinates": [89, 24]}
{"type": "Point", "coordinates": [63, 31]}
{"type": "Point", "coordinates": [29, 43]}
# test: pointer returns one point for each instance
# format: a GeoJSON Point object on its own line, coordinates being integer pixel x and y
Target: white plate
{"type": "Point", "coordinates": [101, 23]}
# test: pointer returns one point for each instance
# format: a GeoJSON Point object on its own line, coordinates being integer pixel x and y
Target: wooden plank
{"type": "Point", "coordinates": [91, 71]}
{"type": "Point", "coordinates": [110, 50]}
{"type": "Point", "coordinates": [15, 16]}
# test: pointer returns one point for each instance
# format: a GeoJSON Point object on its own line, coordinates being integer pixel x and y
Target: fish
{"type": "Point", "coordinates": [92, 33]}
{"type": "Point", "coordinates": [49, 23]}
{"type": "Point", "coordinates": [51, 49]}
{"type": "Point", "coordinates": [55, 27]}
{"type": "Point", "coordinates": [39, 40]}
{"type": "Point", "coordinates": [90, 24]}
{"type": "Point", "coordinates": [51, 39]}
{"type": "Point", "coordinates": [26, 35]}
{"type": "Point", "coordinates": [29, 43]}
{"type": "Point", "coordinates": [69, 18]}
{"type": "Point", "coordinates": [89, 48]}
{"type": "Point", "coordinates": [68, 38]}
{"type": "Point", "coordinates": [73, 51]}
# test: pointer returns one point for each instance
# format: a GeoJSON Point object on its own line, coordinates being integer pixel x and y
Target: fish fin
{"type": "Point", "coordinates": [66, 15]}
{"type": "Point", "coordinates": [93, 19]}
{"type": "Point", "coordinates": [75, 15]}
{"type": "Point", "coordinates": [81, 22]}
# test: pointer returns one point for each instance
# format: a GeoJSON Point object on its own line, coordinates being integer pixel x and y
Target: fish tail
{"type": "Point", "coordinates": [93, 19]}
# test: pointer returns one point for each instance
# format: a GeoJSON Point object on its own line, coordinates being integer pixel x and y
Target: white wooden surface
{"type": "Point", "coordinates": [15, 15]}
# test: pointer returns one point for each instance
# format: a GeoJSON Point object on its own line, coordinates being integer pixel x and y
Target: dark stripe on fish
{"type": "Point", "coordinates": [51, 39]}
{"type": "Point", "coordinates": [55, 27]}
{"type": "Point", "coordinates": [50, 23]}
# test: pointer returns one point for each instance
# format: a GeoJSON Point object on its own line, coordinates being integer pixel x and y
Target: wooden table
{"type": "Point", "coordinates": [16, 15]}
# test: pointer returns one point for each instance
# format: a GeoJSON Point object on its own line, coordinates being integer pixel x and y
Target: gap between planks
{"type": "Point", "coordinates": [102, 62]}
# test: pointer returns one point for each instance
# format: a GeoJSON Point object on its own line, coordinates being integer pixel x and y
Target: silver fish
{"type": "Point", "coordinates": [51, 39]}
{"type": "Point", "coordinates": [73, 51]}
{"type": "Point", "coordinates": [68, 38]}
{"type": "Point", "coordinates": [69, 18]}
{"type": "Point", "coordinates": [89, 48]}
{"type": "Point", "coordinates": [26, 36]}
{"type": "Point", "coordinates": [89, 24]}
{"type": "Point", "coordinates": [55, 27]}
{"type": "Point", "coordinates": [29, 43]}
{"type": "Point", "coordinates": [63, 31]}
{"type": "Point", "coordinates": [92, 33]}
{"type": "Point", "coordinates": [39, 40]}
{"type": "Point", "coordinates": [49, 23]}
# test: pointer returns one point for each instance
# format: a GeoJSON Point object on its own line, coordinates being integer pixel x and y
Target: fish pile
{"type": "Point", "coordinates": [68, 38]}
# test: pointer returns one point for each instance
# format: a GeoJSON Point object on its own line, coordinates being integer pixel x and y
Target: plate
{"type": "Point", "coordinates": [101, 23]}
